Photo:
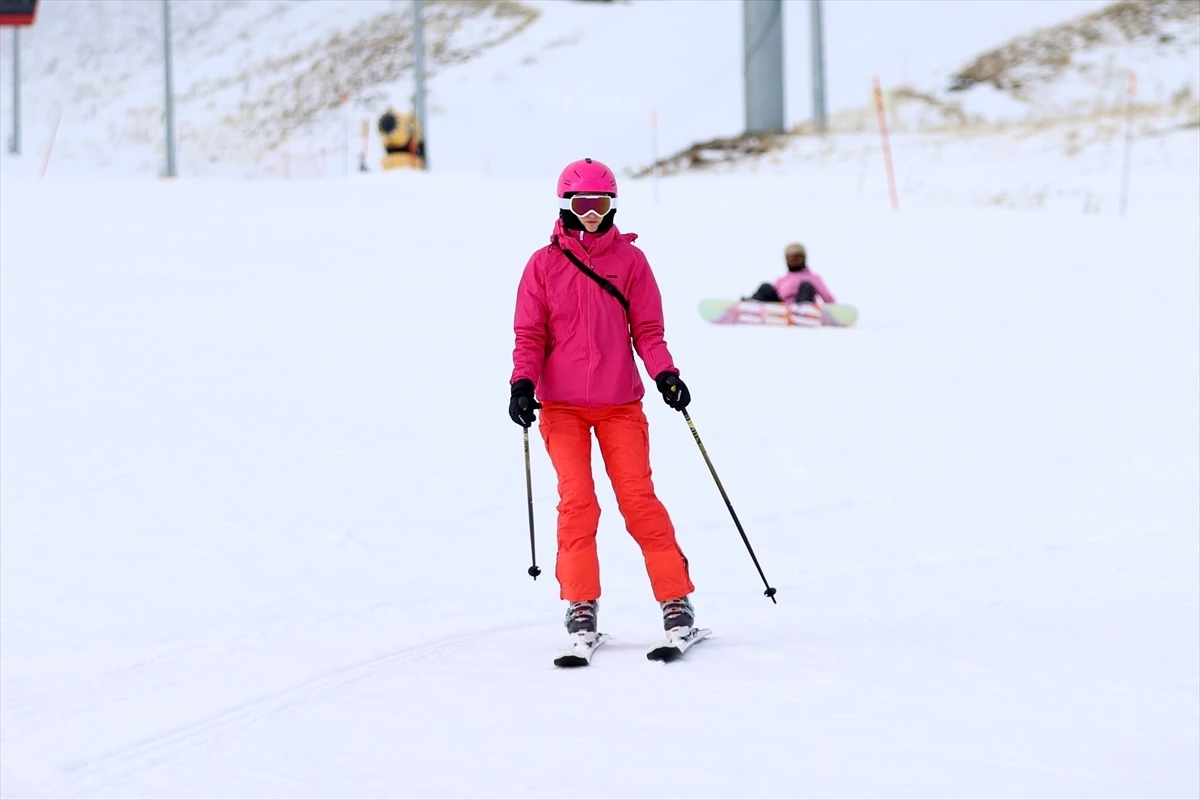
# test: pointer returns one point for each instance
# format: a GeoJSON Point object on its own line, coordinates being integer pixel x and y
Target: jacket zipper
{"type": "Point", "coordinates": [587, 299]}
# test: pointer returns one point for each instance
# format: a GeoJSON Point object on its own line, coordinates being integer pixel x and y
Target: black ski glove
{"type": "Point", "coordinates": [674, 391]}
{"type": "Point", "coordinates": [521, 405]}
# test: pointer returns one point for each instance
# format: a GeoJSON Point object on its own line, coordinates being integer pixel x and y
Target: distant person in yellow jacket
{"type": "Point", "coordinates": [403, 141]}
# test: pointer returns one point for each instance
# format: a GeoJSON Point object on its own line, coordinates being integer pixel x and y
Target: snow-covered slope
{"type": "Point", "coordinates": [259, 85]}
{"type": "Point", "coordinates": [263, 518]}
{"type": "Point", "coordinates": [515, 87]}
{"type": "Point", "coordinates": [264, 524]}
{"type": "Point", "coordinates": [1084, 65]}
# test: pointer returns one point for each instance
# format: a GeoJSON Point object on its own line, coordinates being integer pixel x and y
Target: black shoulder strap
{"type": "Point", "coordinates": [606, 285]}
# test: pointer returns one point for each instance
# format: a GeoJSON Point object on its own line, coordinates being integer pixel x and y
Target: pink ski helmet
{"type": "Point", "coordinates": [588, 177]}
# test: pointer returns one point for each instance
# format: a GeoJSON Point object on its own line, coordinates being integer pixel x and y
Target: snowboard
{"type": "Point", "coordinates": [797, 315]}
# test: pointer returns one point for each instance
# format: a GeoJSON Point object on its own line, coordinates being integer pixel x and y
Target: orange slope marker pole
{"type": "Point", "coordinates": [887, 149]}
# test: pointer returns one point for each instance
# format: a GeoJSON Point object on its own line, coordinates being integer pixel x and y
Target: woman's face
{"type": "Point", "coordinates": [589, 209]}
{"type": "Point", "coordinates": [591, 221]}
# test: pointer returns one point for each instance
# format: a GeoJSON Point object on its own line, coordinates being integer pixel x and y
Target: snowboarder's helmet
{"type": "Point", "coordinates": [794, 251]}
{"type": "Point", "coordinates": [586, 177]}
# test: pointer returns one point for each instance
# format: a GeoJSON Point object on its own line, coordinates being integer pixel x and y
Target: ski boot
{"type": "Point", "coordinates": [581, 619]}
{"type": "Point", "coordinates": [679, 617]}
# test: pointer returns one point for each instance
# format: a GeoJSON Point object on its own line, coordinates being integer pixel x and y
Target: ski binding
{"type": "Point", "coordinates": [677, 643]}
{"type": "Point", "coordinates": [583, 645]}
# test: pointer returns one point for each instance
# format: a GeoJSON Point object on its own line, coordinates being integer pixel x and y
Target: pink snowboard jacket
{"type": "Point", "coordinates": [788, 284]}
{"type": "Point", "coordinates": [572, 337]}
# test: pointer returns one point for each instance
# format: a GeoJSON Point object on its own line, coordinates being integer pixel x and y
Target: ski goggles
{"type": "Point", "coordinates": [583, 204]}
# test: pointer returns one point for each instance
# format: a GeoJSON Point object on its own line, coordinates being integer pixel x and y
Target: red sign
{"type": "Point", "coordinates": [17, 12]}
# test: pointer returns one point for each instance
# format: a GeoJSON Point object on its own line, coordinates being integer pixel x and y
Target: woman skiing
{"type": "Point", "coordinates": [581, 300]}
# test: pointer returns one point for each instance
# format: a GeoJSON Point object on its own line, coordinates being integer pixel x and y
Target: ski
{"type": "Point", "coordinates": [677, 644]}
{"type": "Point", "coordinates": [583, 646]}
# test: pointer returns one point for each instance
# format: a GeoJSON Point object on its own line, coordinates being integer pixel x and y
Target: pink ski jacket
{"type": "Point", "coordinates": [789, 283]}
{"type": "Point", "coordinates": [573, 339]}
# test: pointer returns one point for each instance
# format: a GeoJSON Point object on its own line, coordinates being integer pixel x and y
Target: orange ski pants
{"type": "Point", "coordinates": [623, 434]}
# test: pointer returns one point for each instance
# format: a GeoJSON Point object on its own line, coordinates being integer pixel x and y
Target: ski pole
{"type": "Point", "coordinates": [770, 592]}
{"type": "Point", "coordinates": [533, 570]}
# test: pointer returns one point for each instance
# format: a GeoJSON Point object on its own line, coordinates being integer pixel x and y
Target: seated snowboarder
{"type": "Point", "coordinates": [799, 285]}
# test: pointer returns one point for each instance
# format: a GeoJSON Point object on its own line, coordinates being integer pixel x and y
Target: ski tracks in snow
{"type": "Point", "coordinates": [108, 771]}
